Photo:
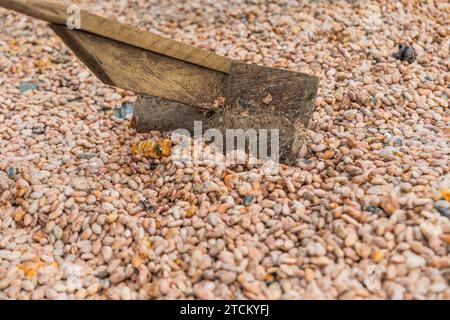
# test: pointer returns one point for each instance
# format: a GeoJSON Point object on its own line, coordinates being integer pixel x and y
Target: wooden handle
{"type": "Point", "coordinates": [56, 12]}
{"type": "Point", "coordinates": [50, 11]}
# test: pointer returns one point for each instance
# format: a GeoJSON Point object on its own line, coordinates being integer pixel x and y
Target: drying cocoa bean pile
{"type": "Point", "coordinates": [364, 215]}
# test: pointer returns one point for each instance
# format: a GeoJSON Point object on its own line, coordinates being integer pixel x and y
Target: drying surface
{"type": "Point", "coordinates": [364, 215]}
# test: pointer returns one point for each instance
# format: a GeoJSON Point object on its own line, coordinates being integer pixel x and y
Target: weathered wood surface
{"type": "Point", "coordinates": [56, 12]}
{"type": "Point", "coordinates": [158, 114]}
{"type": "Point", "coordinates": [143, 71]}
{"type": "Point", "coordinates": [256, 98]}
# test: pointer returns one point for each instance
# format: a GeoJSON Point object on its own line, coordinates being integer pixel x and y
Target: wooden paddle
{"type": "Point", "coordinates": [171, 78]}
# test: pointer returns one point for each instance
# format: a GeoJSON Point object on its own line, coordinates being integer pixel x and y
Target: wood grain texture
{"type": "Point", "coordinates": [143, 71]}
{"type": "Point", "coordinates": [56, 12]}
{"type": "Point", "coordinates": [158, 114]}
